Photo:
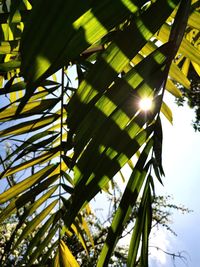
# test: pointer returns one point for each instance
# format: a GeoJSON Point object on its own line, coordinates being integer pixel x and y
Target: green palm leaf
{"type": "Point", "coordinates": [72, 142]}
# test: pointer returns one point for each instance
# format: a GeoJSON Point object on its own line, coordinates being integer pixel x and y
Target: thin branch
{"type": "Point", "coordinates": [173, 255]}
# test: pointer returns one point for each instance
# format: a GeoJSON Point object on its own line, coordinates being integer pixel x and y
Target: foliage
{"type": "Point", "coordinates": [163, 209]}
{"type": "Point", "coordinates": [69, 140]}
{"type": "Point", "coordinates": [6, 230]}
{"type": "Point", "coordinates": [192, 70]}
{"type": "Point", "coordinates": [193, 97]}
{"type": "Point", "coordinates": [161, 217]}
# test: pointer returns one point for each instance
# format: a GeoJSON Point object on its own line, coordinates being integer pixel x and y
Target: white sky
{"type": "Point", "coordinates": [181, 146]}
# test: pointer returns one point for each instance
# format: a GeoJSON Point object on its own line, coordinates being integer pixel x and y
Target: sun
{"type": "Point", "coordinates": [145, 104]}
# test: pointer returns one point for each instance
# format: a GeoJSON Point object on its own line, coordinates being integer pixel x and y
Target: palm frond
{"type": "Point", "coordinates": [70, 141]}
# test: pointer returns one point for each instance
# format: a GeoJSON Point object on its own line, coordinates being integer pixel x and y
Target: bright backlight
{"type": "Point", "coordinates": [145, 104]}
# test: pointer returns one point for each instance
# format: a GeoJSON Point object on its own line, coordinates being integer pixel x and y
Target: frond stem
{"type": "Point", "coordinates": [61, 135]}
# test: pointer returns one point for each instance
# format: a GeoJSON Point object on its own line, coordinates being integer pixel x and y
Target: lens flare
{"type": "Point", "coordinates": [145, 104]}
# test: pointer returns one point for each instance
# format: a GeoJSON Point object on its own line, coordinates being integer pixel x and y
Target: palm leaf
{"type": "Point", "coordinates": [73, 142]}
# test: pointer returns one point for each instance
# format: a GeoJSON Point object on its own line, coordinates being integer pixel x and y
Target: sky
{"type": "Point", "coordinates": [181, 146]}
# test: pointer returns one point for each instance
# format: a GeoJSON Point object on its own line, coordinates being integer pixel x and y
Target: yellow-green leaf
{"type": "Point", "coordinates": [32, 108]}
{"type": "Point", "coordinates": [64, 257]}
{"type": "Point", "coordinates": [172, 88]}
{"type": "Point", "coordinates": [29, 163]}
{"type": "Point", "coordinates": [35, 222]}
{"type": "Point", "coordinates": [167, 112]}
{"type": "Point", "coordinates": [29, 126]}
{"type": "Point", "coordinates": [27, 183]}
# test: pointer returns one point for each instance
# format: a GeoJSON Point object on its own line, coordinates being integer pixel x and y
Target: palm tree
{"type": "Point", "coordinates": [70, 140]}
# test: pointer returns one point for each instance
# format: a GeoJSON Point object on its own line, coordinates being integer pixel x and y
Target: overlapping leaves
{"type": "Point", "coordinates": [72, 144]}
